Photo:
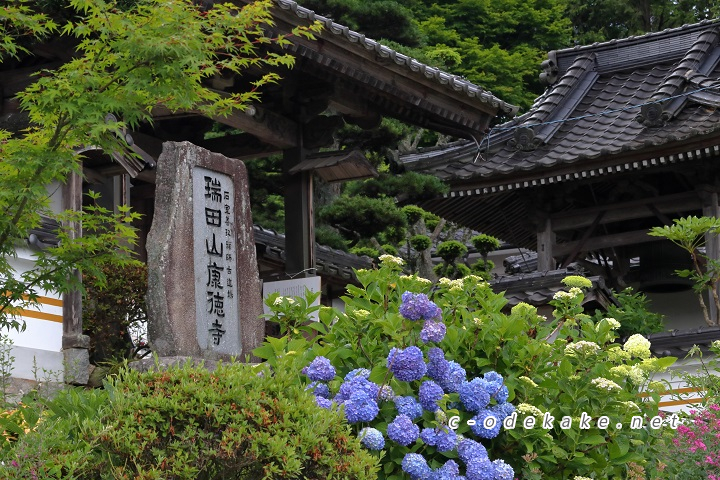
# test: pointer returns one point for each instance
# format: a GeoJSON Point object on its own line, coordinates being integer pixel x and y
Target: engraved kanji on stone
{"type": "Point", "coordinates": [216, 331]}
{"type": "Point", "coordinates": [216, 303]}
{"type": "Point", "coordinates": [214, 275]}
{"type": "Point", "coordinates": [213, 249]}
{"type": "Point", "coordinates": [213, 217]}
{"type": "Point", "coordinates": [213, 189]}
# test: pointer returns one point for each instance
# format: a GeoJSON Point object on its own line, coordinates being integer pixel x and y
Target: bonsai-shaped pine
{"type": "Point", "coordinates": [484, 244]}
{"type": "Point", "coordinates": [690, 234]}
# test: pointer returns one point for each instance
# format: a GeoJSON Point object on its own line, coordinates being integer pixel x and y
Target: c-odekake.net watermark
{"type": "Point", "coordinates": [585, 422]}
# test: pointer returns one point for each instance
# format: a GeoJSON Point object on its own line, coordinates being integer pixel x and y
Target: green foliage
{"type": "Point", "coordinates": [482, 268]}
{"type": "Point", "coordinates": [451, 250]}
{"type": "Point", "coordinates": [238, 422]}
{"type": "Point", "coordinates": [330, 237]}
{"type": "Point", "coordinates": [367, 251]}
{"type": "Point", "coordinates": [689, 234]}
{"type": "Point", "coordinates": [563, 367]}
{"type": "Point", "coordinates": [633, 313]}
{"type": "Point", "coordinates": [363, 216]}
{"type": "Point", "coordinates": [113, 309]}
{"type": "Point", "coordinates": [420, 242]}
{"type": "Point", "coordinates": [410, 185]}
{"type": "Point", "coordinates": [413, 213]}
{"type": "Point", "coordinates": [127, 62]}
{"type": "Point", "coordinates": [291, 313]}
{"type": "Point", "coordinates": [452, 270]}
{"type": "Point", "coordinates": [485, 244]}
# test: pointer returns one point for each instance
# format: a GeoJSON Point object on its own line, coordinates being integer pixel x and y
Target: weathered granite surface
{"type": "Point", "coordinates": [173, 326]}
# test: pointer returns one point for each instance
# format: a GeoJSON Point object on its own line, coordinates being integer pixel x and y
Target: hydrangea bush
{"type": "Point", "coordinates": [470, 368]}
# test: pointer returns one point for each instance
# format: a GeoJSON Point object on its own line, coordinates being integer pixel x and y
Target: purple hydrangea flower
{"type": "Point", "coordinates": [409, 406]}
{"type": "Point", "coordinates": [474, 394]}
{"type": "Point", "coordinates": [323, 403]}
{"type": "Point", "coordinates": [437, 366]}
{"type": "Point", "coordinates": [480, 429]}
{"type": "Point", "coordinates": [319, 389]}
{"type": "Point", "coordinates": [372, 438]}
{"type": "Point", "coordinates": [417, 306]}
{"type": "Point", "coordinates": [360, 408]}
{"type": "Point", "coordinates": [428, 436]}
{"type": "Point", "coordinates": [433, 331]}
{"type": "Point", "coordinates": [408, 364]}
{"type": "Point", "coordinates": [480, 469]}
{"type": "Point", "coordinates": [429, 393]}
{"type": "Point", "coordinates": [445, 440]}
{"type": "Point", "coordinates": [503, 471]}
{"type": "Point", "coordinates": [502, 410]}
{"type": "Point", "coordinates": [402, 430]}
{"type": "Point", "coordinates": [357, 383]}
{"type": "Point", "coordinates": [451, 468]}
{"type": "Point", "coordinates": [469, 449]}
{"type": "Point", "coordinates": [453, 378]}
{"type": "Point", "coordinates": [358, 372]}
{"type": "Point", "coordinates": [320, 370]}
{"type": "Point", "coordinates": [416, 466]}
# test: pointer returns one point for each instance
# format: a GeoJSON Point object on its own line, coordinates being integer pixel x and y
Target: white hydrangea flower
{"type": "Point", "coordinates": [562, 294]}
{"type": "Point", "coordinates": [581, 478]}
{"type": "Point", "coordinates": [527, 409]}
{"type": "Point", "coordinates": [631, 405]}
{"type": "Point", "coordinates": [637, 375]}
{"type": "Point", "coordinates": [477, 321]}
{"type": "Point", "coordinates": [617, 354]}
{"type": "Point", "coordinates": [715, 344]}
{"type": "Point", "coordinates": [605, 384]}
{"type": "Point", "coordinates": [575, 292]}
{"type": "Point", "coordinates": [444, 281]}
{"type": "Point", "coordinates": [361, 314]}
{"type": "Point", "coordinates": [278, 301]}
{"type": "Point", "coordinates": [637, 346]}
{"type": "Point", "coordinates": [614, 324]}
{"type": "Point", "coordinates": [622, 371]}
{"type": "Point", "coordinates": [582, 347]}
{"type": "Point", "coordinates": [391, 260]}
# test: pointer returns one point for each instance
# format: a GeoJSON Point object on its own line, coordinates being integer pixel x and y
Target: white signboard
{"type": "Point", "coordinates": [293, 288]}
{"type": "Point", "coordinates": [215, 251]}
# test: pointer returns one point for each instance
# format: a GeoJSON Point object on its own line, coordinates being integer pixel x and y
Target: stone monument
{"type": "Point", "coordinates": [204, 291]}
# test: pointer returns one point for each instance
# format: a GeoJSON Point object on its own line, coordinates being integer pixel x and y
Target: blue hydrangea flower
{"type": "Point", "coordinates": [502, 394]}
{"type": "Point", "coordinates": [453, 378]}
{"type": "Point", "coordinates": [469, 449]}
{"type": "Point", "coordinates": [479, 428]}
{"type": "Point", "coordinates": [320, 370]}
{"type": "Point", "coordinates": [437, 365]}
{"type": "Point", "coordinates": [360, 408]}
{"type": "Point", "coordinates": [408, 364]}
{"type": "Point", "coordinates": [417, 306]}
{"type": "Point", "coordinates": [409, 406]}
{"type": "Point", "coordinates": [502, 410]}
{"type": "Point", "coordinates": [433, 331]}
{"type": "Point", "coordinates": [429, 393]}
{"type": "Point", "coordinates": [451, 467]}
{"type": "Point", "coordinates": [497, 388]}
{"type": "Point", "coordinates": [474, 394]}
{"type": "Point", "coordinates": [323, 403]}
{"type": "Point", "coordinates": [428, 436]}
{"type": "Point", "coordinates": [416, 466]}
{"type": "Point", "coordinates": [503, 471]}
{"type": "Point", "coordinates": [319, 389]}
{"type": "Point", "coordinates": [402, 430]}
{"type": "Point", "coordinates": [358, 372]}
{"type": "Point", "coordinates": [357, 383]}
{"type": "Point", "coordinates": [372, 438]}
{"type": "Point", "coordinates": [493, 377]}
{"type": "Point", "coordinates": [480, 469]}
{"type": "Point", "coordinates": [445, 440]}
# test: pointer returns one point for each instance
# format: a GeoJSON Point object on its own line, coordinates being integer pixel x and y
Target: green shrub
{"type": "Point", "coordinates": [451, 250]}
{"type": "Point", "coordinates": [452, 271]}
{"type": "Point", "coordinates": [111, 309]}
{"type": "Point", "coordinates": [483, 268]}
{"type": "Point", "coordinates": [633, 313]}
{"type": "Point", "coordinates": [413, 213]}
{"type": "Point", "coordinates": [389, 249]}
{"type": "Point", "coordinates": [367, 251]}
{"type": "Point", "coordinates": [420, 242]}
{"type": "Point", "coordinates": [238, 422]}
{"type": "Point", "coordinates": [485, 243]}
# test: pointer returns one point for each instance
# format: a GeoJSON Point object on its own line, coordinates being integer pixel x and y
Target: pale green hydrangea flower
{"type": "Point", "coordinates": [637, 346]}
{"type": "Point", "coordinates": [583, 347]}
{"type": "Point", "coordinates": [528, 381]}
{"type": "Point", "coordinates": [527, 409]}
{"type": "Point", "coordinates": [577, 281]}
{"type": "Point", "coordinates": [617, 354]}
{"type": "Point", "coordinates": [361, 314]}
{"type": "Point", "coordinates": [637, 375]}
{"type": "Point", "coordinates": [614, 324]}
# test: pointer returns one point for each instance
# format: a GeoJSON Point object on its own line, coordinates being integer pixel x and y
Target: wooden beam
{"type": "Point", "coordinates": [72, 301]}
{"type": "Point", "coordinates": [573, 255]}
{"type": "Point", "coordinates": [606, 241]}
{"type": "Point", "coordinates": [712, 242]}
{"type": "Point", "coordinates": [545, 249]}
{"type": "Point", "coordinates": [631, 210]}
{"type": "Point", "coordinates": [262, 123]}
{"type": "Point", "coordinates": [241, 146]}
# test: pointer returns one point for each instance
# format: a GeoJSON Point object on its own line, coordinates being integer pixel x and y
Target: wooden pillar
{"type": "Point", "coordinates": [712, 242]}
{"type": "Point", "coordinates": [75, 345]}
{"type": "Point", "coordinates": [299, 215]}
{"type": "Point", "coordinates": [545, 242]}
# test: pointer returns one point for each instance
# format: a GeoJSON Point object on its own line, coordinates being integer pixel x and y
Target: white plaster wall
{"type": "Point", "coordinates": [681, 309]}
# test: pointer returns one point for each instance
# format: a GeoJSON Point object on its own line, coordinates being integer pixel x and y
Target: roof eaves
{"type": "Point", "coordinates": [452, 82]}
